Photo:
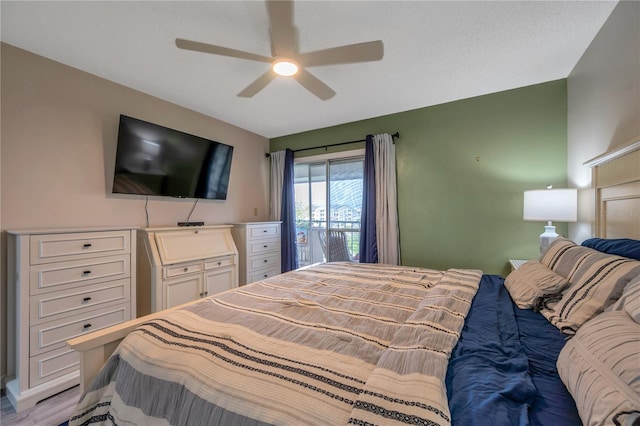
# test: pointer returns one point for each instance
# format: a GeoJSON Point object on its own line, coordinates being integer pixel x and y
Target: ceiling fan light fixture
{"type": "Point", "coordinates": [285, 67]}
{"type": "Point", "coordinates": [283, 35]}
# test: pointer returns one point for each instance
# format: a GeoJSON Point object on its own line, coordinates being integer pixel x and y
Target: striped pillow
{"type": "Point", "coordinates": [600, 366]}
{"type": "Point", "coordinates": [596, 281]}
{"type": "Point", "coordinates": [563, 256]}
{"type": "Point", "coordinates": [532, 280]}
{"type": "Point", "coordinates": [630, 300]}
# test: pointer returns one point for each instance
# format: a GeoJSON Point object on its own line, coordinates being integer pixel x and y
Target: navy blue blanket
{"type": "Point", "coordinates": [619, 246]}
{"type": "Point", "coordinates": [503, 369]}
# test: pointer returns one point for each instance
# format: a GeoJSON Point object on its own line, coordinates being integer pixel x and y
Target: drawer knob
{"type": "Point", "coordinates": [264, 230]}
{"type": "Point", "coordinates": [186, 269]}
{"type": "Point", "coordinates": [265, 246]}
{"type": "Point", "coordinates": [86, 299]}
{"type": "Point", "coordinates": [86, 326]}
{"type": "Point", "coordinates": [85, 273]}
{"type": "Point", "coordinates": [219, 263]}
{"type": "Point", "coordinates": [266, 275]}
{"type": "Point", "coordinates": [86, 245]}
{"type": "Point", "coordinates": [206, 293]}
{"type": "Point", "coordinates": [265, 261]}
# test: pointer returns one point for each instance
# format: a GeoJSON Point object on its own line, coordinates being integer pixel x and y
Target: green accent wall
{"type": "Point", "coordinates": [462, 168]}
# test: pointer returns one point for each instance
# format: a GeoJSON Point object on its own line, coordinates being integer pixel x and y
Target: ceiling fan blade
{"type": "Point", "coordinates": [219, 50]}
{"type": "Point", "coordinates": [281, 28]}
{"type": "Point", "coordinates": [313, 84]}
{"type": "Point", "coordinates": [259, 84]}
{"type": "Point", "coordinates": [360, 52]}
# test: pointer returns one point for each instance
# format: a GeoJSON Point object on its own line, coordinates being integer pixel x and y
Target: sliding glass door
{"type": "Point", "coordinates": [328, 197]}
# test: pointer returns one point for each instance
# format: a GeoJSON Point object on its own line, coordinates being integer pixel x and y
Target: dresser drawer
{"type": "Point", "coordinates": [266, 246]}
{"type": "Point", "coordinates": [183, 269]}
{"type": "Point", "coordinates": [74, 301]}
{"type": "Point", "coordinates": [53, 334]}
{"type": "Point", "coordinates": [259, 262]}
{"type": "Point", "coordinates": [59, 276]}
{"type": "Point", "coordinates": [266, 273]}
{"type": "Point", "coordinates": [61, 247]}
{"type": "Point", "coordinates": [266, 230]}
{"type": "Point", "coordinates": [219, 262]}
{"type": "Point", "coordinates": [50, 365]}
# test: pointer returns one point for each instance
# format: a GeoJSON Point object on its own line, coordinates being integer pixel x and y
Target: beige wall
{"type": "Point", "coordinates": [59, 128]}
{"type": "Point", "coordinates": [603, 104]}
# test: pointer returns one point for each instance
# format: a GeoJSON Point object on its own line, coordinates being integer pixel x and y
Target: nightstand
{"type": "Point", "coordinates": [516, 263]}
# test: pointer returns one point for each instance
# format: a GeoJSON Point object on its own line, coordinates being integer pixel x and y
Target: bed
{"type": "Point", "coordinates": [349, 343]}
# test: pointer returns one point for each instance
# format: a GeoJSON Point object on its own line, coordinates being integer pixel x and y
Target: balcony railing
{"type": "Point", "coordinates": [310, 249]}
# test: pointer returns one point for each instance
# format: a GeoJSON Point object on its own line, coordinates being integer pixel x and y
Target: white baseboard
{"type": "Point", "coordinates": [30, 397]}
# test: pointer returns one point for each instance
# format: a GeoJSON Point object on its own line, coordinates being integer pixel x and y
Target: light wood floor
{"type": "Point", "coordinates": [50, 412]}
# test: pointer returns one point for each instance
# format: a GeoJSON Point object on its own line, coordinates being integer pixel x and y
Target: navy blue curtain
{"type": "Point", "coordinates": [289, 258]}
{"type": "Point", "coordinates": [368, 242]}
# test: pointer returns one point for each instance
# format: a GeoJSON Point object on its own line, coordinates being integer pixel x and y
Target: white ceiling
{"type": "Point", "coordinates": [435, 51]}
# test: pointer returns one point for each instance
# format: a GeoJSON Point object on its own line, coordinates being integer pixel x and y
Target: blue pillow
{"type": "Point", "coordinates": [619, 246]}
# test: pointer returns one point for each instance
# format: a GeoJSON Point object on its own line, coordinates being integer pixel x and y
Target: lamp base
{"type": "Point", "coordinates": [547, 237]}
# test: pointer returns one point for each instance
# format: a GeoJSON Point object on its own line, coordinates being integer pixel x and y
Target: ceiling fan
{"type": "Point", "coordinates": [286, 59]}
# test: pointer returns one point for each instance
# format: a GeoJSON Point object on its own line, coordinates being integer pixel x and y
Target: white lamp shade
{"type": "Point", "coordinates": [551, 205]}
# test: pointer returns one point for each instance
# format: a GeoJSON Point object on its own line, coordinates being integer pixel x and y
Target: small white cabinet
{"type": "Point", "coordinates": [62, 284]}
{"type": "Point", "coordinates": [259, 250]}
{"type": "Point", "coordinates": [181, 264]}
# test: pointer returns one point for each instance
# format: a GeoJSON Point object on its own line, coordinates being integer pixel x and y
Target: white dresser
{"type": "Point", "coordinates": [259, 250]}
{"type": "Point", "coordinates": [180, 264]}
{"type": "Point", "coordinates": [65, 283]}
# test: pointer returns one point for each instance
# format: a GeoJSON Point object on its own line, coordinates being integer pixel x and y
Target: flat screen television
{"type": "Point", "coordinates": [155, 160]}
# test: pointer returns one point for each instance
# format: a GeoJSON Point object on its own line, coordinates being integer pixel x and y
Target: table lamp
{"type": "Point", "coordinates": [548, 205]}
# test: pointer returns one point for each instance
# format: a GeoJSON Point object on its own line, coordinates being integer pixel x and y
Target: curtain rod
{"type": "Point", "coordinates": [393, 137]}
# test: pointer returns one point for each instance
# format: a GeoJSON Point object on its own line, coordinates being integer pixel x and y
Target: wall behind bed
{"type": "Point", "coordinates": [462, 170]}
{"type": "Point", "coordinates": [59, 128]}
{"type": "Point", "coordinates": [604, 104]}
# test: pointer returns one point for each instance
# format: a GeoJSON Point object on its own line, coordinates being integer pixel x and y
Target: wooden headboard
{"type": "Point", "coordinates": [616, 180]}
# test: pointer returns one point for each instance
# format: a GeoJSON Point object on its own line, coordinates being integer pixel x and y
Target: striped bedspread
{"type": "Point", "coordinates": [333, 344]}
